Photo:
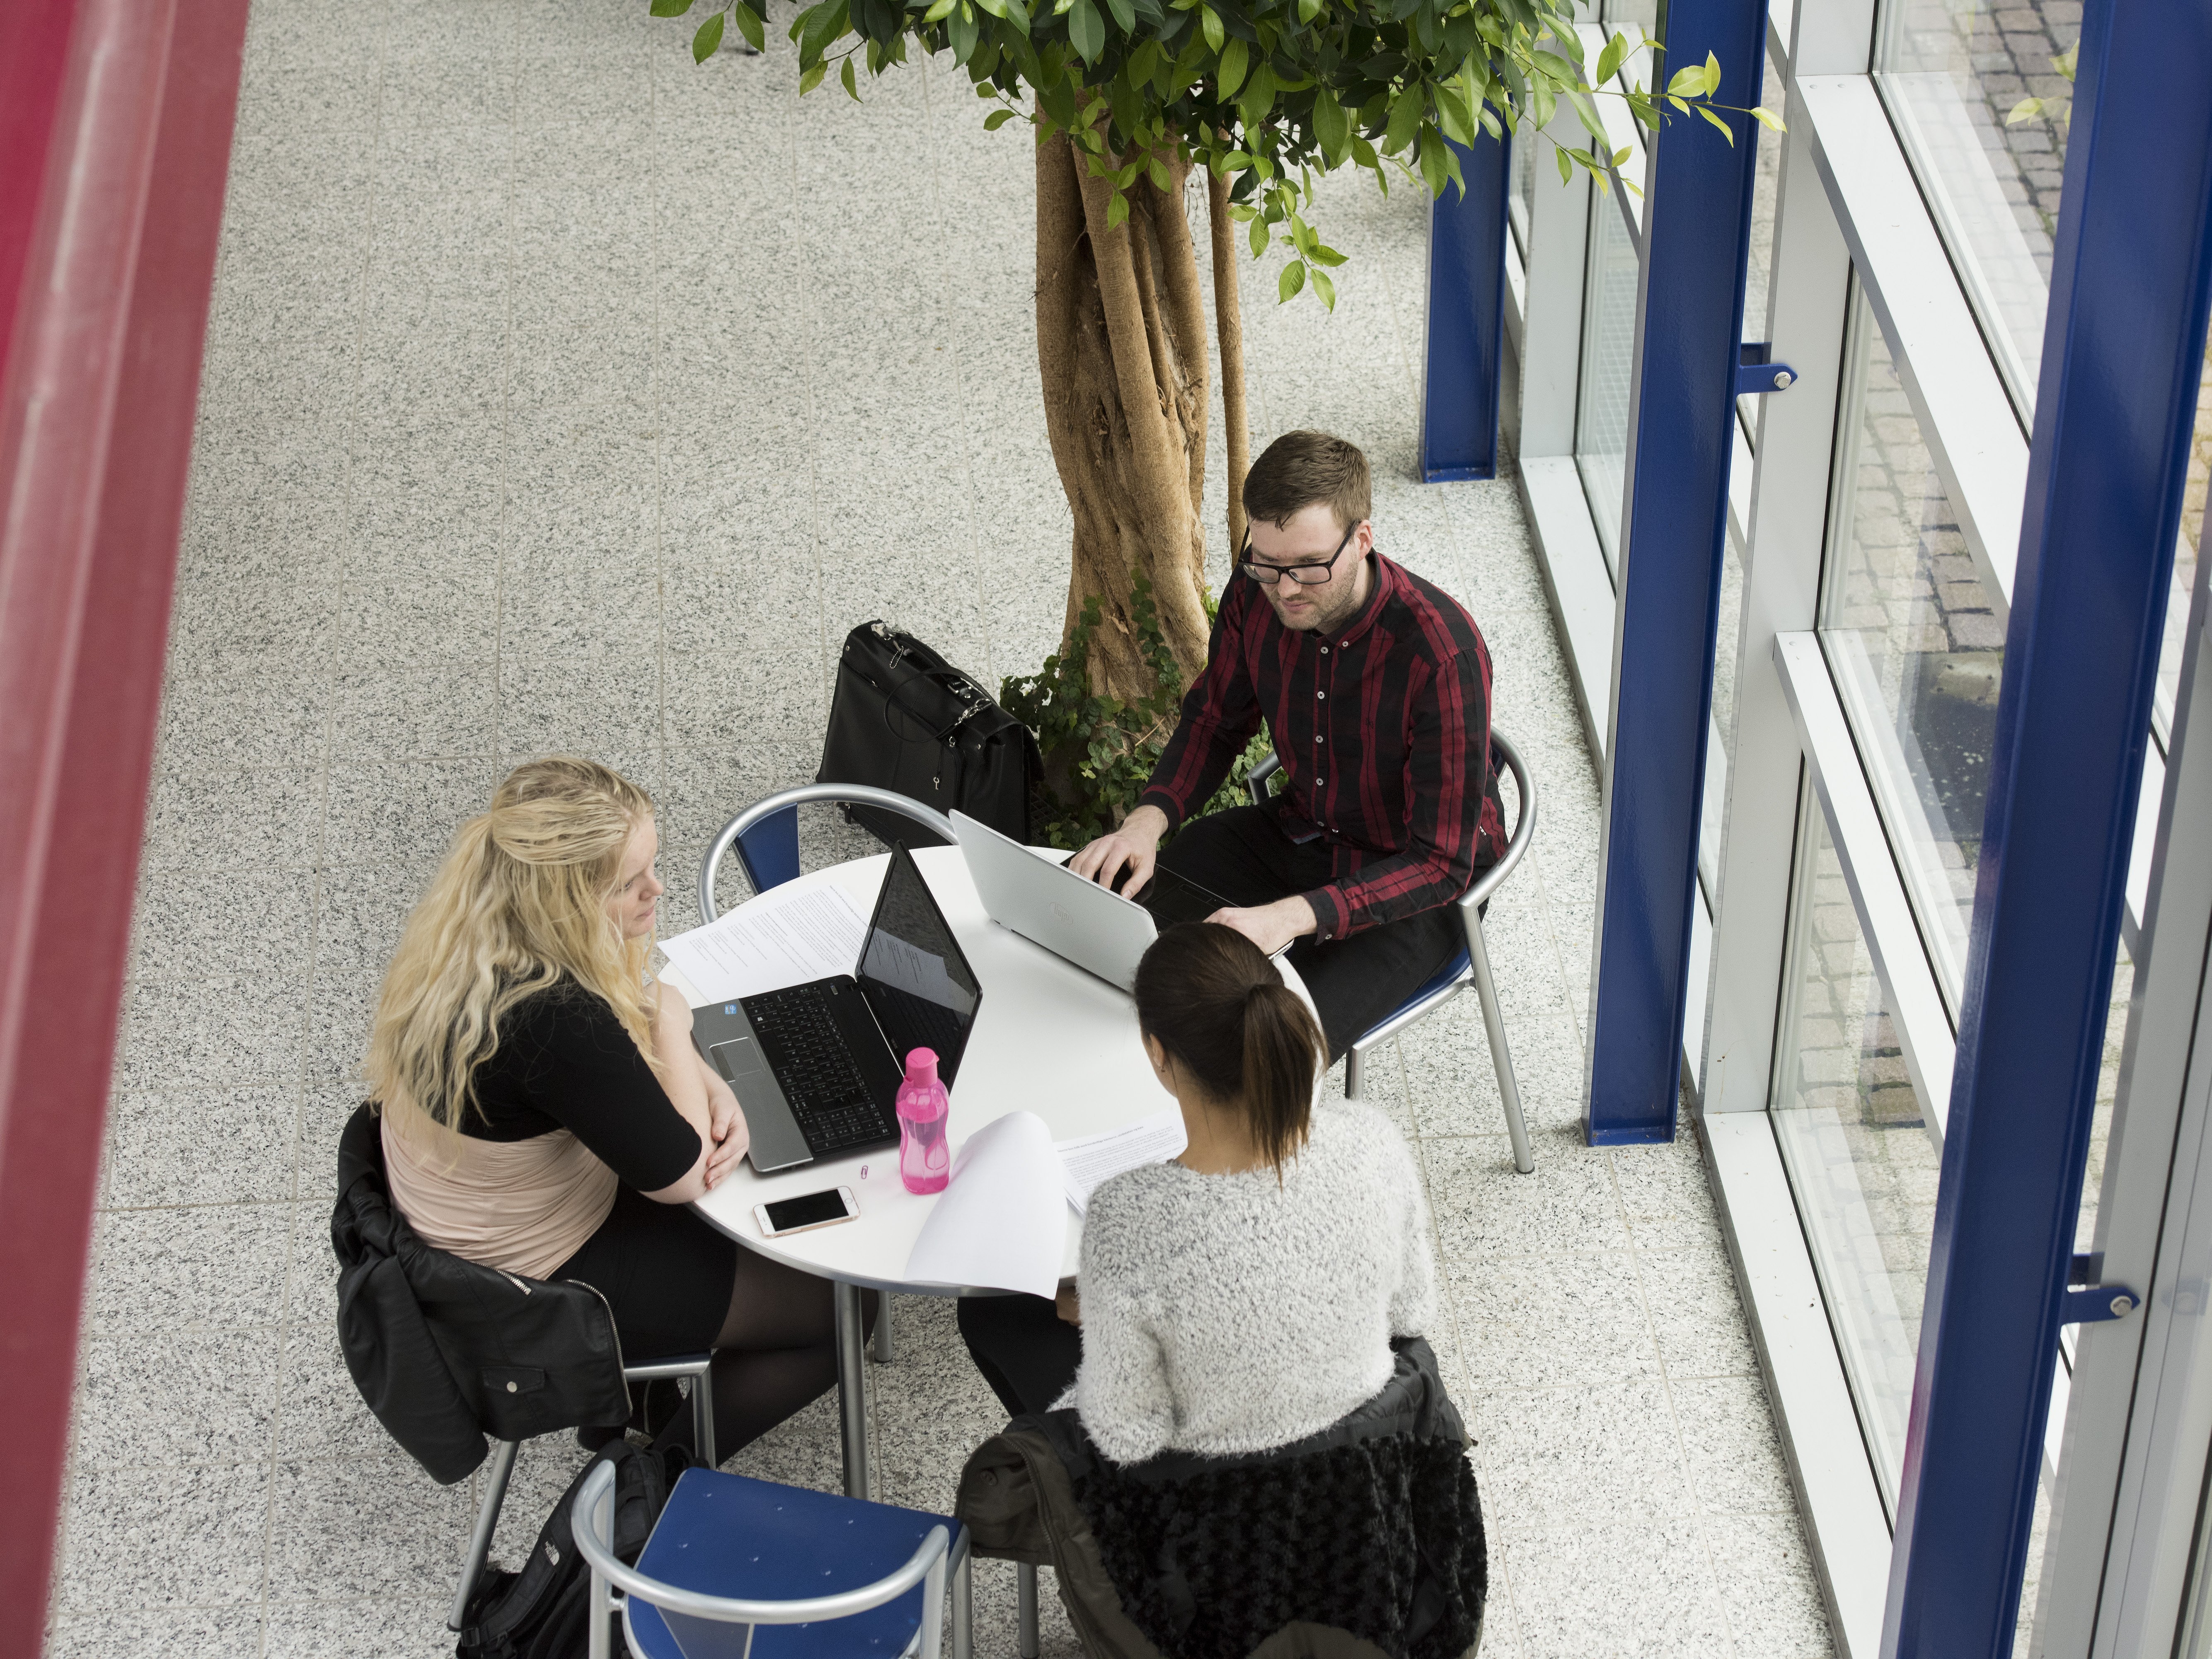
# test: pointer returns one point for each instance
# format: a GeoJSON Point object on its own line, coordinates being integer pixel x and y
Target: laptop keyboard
{"type": "Point", "coordinates": [826, 1092]}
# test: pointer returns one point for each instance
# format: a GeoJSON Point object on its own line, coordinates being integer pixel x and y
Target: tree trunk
{"type": "Point", "coordinates": [1121, 346]}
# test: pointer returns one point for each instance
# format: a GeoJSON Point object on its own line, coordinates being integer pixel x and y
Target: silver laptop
{"type": "Point", "coordinates": [1094, 927]}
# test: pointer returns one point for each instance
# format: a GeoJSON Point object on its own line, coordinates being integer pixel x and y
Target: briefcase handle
{"type": "Point", "coordinates": [951, 679]}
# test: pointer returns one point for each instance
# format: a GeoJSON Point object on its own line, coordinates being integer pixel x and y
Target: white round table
{"type": "Point", "coordinates": [1048, 1038]}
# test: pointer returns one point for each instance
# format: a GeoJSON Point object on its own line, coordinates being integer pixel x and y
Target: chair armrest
{"type": "Point", "coordinates": [1524, 829]}
{"type": "Point", "coordinates": [1255, 780]}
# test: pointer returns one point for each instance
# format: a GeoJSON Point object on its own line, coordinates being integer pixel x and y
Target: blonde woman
{"type": "Point", "coordinates": [544, 1112]}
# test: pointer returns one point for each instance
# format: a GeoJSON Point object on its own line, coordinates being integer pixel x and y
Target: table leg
{"type": "Point", "coordinates": [880, 1349]}
{"type": "Point", "coordinates": [851, 1390]}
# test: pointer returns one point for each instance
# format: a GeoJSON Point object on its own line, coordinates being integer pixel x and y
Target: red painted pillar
{"type": "Point", "coordinates": [115, 128]}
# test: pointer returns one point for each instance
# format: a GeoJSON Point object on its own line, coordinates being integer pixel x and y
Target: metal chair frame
{"type": "Point", "coordinates": [694, 1367]}
{"type": "Point", "coordinates": [939, 1556]}
{"type": "Point", "coordinates": [838, 794]}
{"type": "Point", "coordinates": [1475, 973]}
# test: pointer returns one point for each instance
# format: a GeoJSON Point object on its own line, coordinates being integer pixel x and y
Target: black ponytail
{"type": "Point", "coordinates": [1217, 1005]}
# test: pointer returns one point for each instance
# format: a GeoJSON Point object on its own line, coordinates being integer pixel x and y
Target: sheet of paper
{"type": "Point", "coordinates": [782, 937]}
{"type": "Point", "coordinates": [1089, 1159]}
{"type": "Point", "coordinates": [999, 1224]}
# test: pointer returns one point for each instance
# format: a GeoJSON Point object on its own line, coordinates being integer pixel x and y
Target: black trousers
{"type": "Point", "coordinates": [1355, 982]}
{"type": "Point", "coordinates": [1026, 1352]}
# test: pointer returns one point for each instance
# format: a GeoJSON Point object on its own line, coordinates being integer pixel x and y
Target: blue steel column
{"type": "Point", "coordinates": [1689, 313]}
{"type": "Point", "coordinates": [1466, 317]}
{"type": "Point", "coordinates": [2122, 347]}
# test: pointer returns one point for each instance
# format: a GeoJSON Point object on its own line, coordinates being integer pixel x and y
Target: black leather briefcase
{"type": "Point", "coordinates": [904, 719]}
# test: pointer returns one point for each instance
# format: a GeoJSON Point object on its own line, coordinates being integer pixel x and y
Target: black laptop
{"type": "Point", "coordinates": [818, 1067]}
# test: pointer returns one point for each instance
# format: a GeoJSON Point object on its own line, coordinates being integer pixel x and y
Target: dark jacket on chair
{"type": "Point", "coordinates": [445, 1351]}
{"type": "Point", "coordinates": [1365, 1540]}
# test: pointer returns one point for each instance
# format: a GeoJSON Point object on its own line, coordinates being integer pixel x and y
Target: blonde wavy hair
{"type": "Point", "coordinates": [519, 904]}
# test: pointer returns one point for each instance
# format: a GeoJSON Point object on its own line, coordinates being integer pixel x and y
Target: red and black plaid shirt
{"type": "Point", "coordinates": [1383, 729]}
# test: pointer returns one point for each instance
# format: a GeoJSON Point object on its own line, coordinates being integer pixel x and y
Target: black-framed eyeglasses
{"type": "Point", "coordinates": [1310, 573]}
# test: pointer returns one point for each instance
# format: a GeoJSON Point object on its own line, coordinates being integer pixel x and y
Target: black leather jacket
{"type": "Point", "coordinates": [445, 1351]}
{"type": "Point", "coordinates": [1362, 1542]}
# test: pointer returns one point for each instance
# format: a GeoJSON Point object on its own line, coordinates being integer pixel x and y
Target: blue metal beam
{"type": "Point", "coordinates": [2121, 347]}
{"type": "Point", "coordinates": [1465, 324]}
{"type": "Point", "coordinates": [1689, 319]}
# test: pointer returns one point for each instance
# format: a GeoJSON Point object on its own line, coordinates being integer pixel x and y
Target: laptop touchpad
{"type": "Point", "coordinates": [739, 1058]}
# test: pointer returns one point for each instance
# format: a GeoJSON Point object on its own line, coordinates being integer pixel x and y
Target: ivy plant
{"type": "Point", "coordinates": [1106, 747]}
{"type": "Point", "coordinates": [1269, 93]}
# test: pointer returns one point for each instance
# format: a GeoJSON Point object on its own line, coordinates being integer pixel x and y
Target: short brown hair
{"type": "Point", "coordinates": [1220, 1009]}
{"type": "Point", "coordinates": [1301, 468]}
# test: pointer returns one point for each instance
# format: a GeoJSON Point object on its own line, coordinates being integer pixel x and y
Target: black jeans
{"type": "Point", "coordinates": [1026, 1352]}
{"type": "Point", "coordinates": [1355, 982]}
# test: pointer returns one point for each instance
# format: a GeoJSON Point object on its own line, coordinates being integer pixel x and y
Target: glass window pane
{"type": "Point", "coordinates": [1608, 357]}
{"type": "Point", "coordinates": [1952, 73]}
{"type": "Point", "coordinates": [2192, 532]}
{"type": "Point", "coordinates": [1521, 173]}
{"type": "Point", "coordinates": [1915, 648]}
{"type": "Point", "coordinates": [1649, 16]}
{"type": "Point", "coordinates": [1860, 1161]}
{"type": "Point", "coordinates": [1767, 179]}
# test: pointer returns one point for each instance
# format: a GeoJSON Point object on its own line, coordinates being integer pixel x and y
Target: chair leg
{"type": "Point", "coordinates": [1355, 1077]}
{"type": "Point", "coordinates": [503, 1466]}
{"type": "Point", "coordinates": [964, 1606]}
{"type": "Point", "coordinates": [1025, 1609]}
{"type": "Point", "coordinates": [703, 1417]}
{"type": "Point", "coordinates": [879, 1345]}
{"type": "Point", "coordinates": [1501, 1054]}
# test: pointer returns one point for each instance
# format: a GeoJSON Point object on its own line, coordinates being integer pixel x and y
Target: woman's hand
{"type": "Point", "coordinates": [726, 1126]}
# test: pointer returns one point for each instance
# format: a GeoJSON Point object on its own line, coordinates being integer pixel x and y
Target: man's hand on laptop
{"type": "Point", "coordinates": [1271, 926]}
{"type": "Point", "coordinates": [1134, 847]}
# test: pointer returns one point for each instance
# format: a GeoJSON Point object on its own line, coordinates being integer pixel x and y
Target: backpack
{"type": "Point", "coordinates": [541, 1612]}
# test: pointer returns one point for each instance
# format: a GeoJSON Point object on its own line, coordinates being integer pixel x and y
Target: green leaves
{"type": "Point", "coordinates": [1435, 172]}
{"type": "Point", "coordinates": [1087, 30]}
{"type": "Point", "coordinates": [1332, 127]}
{"type": "Point", "coordinates": [1406, 111]}
{"type": "Point", "coordinates": [1292, 279]}
{"type": "Point", "coordinates": [1269, 96]}
{"type": "Point", "coordinates": [1231, 75]}
{"type": "Point", "coordinates": [1610, 60]}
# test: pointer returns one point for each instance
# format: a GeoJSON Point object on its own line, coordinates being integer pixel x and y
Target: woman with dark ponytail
{"type": "Point", "coordinates": [1245, 1295]}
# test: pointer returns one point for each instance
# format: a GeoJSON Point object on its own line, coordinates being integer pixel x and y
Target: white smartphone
{"type": "Point", "coordinates": [807, 1211]}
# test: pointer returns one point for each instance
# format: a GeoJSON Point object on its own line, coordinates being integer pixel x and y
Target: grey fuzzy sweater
{"type": "Point", "coordinates": [1224, 1315]}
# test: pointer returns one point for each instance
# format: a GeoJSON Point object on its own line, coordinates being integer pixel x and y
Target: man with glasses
{"type": "Point", "coordinates": [1375, 685]}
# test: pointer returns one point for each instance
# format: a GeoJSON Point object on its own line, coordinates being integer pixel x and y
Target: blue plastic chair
{"type": "Point", "coordinates": [743, 1569]}
{"type": "Point", "coordinates": [1470, 967]}
{"type": "Point", "coordinates": [766, 834]}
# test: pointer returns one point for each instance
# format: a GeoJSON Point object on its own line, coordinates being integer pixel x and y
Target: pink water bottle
{"type": "Point", "coordinates": [925, 1161]}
